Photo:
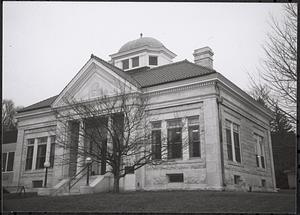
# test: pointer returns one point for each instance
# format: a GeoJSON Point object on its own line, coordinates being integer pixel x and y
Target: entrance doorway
{"type": "Point", "coordinates": [96, 141]}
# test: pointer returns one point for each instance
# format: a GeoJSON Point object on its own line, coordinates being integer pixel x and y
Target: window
{"type": "Point", "coordinates": [8, 161]}
{"type": "Point", "coordinates": [175, 177]}
{"type": "Point", "coordinates": [52, 151]}
{"type": "Point", "coordinates": [41, 152]}
{"type": "Point", "coordinates": [135, 61]}
{"type": "Point", "coordinates": [156, 140]}
{"type": "Point", "coordinates": [4, 157]}
{"type": "Point", "coordinates": [153, 60]}
{"type": "Point", "coordinates": [259, 151]}
{"type": "Point", "coordinates": [125, 64]}
{"type": "Point", "coordinates": [174, 139]}
{"type": "Point", "coordinates": [29, 157]}
{"type": "Point", "coordinates": [194, 136]}
{"type": "Point", "coordinates": [237, 179]}
{"type": "Point", "coordinates": [129, 170]}
{"type": "Point", "coordinates": [233, 142]}
{"type": "Point", "coordinates": [263, 183]}
{"type": "Point", "coordinates": [37, 183]}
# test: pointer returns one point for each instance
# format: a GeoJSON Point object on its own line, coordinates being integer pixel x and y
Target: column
{"type": "Point", "coordinates": [185, 140]}
{"type": "Point", "coordinates": [47, 159]}
{"type": "Point", "coordinates": [80, 156]}
{"type": "Point", "coordinates": [271, 159]}
{"type": "Point", "coordinates": [109, 141]}
{"type": "Point", "coordinates": [212, 144]}
{"type": "Point", "coordinates": [60, 171]}
{"type": "Point", "coordinates": [20, 157]}
{"type": "Point", "coordinates": [34, 153]}
{"type": "Point", "coordinates": [164, 140]}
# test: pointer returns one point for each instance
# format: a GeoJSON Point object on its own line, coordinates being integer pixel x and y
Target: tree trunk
{"type": "Point", "coordinates": [116, 184]}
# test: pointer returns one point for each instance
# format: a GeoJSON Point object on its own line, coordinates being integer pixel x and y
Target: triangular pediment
{"type": "Point", "coordinates": [93, 81]}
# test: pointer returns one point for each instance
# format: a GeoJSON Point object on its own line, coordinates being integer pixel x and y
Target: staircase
{"type": "Point", "coordinates": [77, 184]}
{"type": "Point", "coordinates": [75, 190]}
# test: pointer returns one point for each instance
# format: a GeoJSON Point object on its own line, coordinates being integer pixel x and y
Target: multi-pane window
{"type": "Point", "coordinates": [156, 140]}
{"type": "Point", "coordinates": [135, 61]}
{"type": "Point", "coordinates": [194, 136]}
{"type": "Point", "coordinates": [259, 151]}
{"type": "Point", "coordinates": [125, 64]}
{"type": "Point", "coordinates": [29, 157]}
{"type": "Point", "coordinates": [233, 142]}
{"type": "Point", "coordinates": [52, 150]}
{"type": "Point", "coordinates": [8, 161]}
{"type": "Point", "coordinates": [174, 139]}
{"type": "Point", "coordinates": [41, 152]}
{"type": "Point", "coordinates": [153, 60]}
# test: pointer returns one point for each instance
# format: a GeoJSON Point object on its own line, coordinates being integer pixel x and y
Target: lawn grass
{"type": "Point", "coordinates": [160, 201]}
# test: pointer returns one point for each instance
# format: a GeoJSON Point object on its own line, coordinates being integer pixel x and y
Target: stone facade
{"type": "Point", "coordinates": [211, 98]}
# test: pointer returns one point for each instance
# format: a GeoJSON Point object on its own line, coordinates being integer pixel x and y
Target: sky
{"type": "Point", "coordinates": [46, 43]}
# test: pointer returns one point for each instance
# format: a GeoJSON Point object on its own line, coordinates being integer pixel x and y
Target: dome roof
{"type": "Point", "coordinates": [143, 41]}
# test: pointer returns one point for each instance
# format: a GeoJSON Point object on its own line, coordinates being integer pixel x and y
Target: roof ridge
{"type": "Point", "coordinates": [170, 64]}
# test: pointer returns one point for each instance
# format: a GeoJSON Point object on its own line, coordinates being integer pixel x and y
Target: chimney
{"type": "Point", "coordinates": [204, 57]}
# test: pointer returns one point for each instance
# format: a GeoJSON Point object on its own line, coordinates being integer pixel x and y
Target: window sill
{"type": "Point", "coordinates": [7, 172]}
{"type": "Point", "coordinates": [260, 169]}
{"type": "Point", "coordinates": [232, 163]}
{"type": "Point", "coordinates": [37, 171]}
{"type": "Point", "coordinates": [195, 158]}
{"type": "Point", "coordinates": [181, 161]}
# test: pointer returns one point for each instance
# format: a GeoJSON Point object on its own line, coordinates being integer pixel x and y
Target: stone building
{"type": "Point", "coordinates": [229, 132]}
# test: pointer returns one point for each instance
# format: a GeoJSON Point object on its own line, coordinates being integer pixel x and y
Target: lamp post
{"type": "Point", "coordinates": [46, 165]}
{"type": "Point", "coordinates": [88, 161]}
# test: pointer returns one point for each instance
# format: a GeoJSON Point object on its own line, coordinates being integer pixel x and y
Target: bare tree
{"type": "Point", "coordinates": [279, 68]}
{"type": "Point", "coordinates": [8, 115]}
{"type": "Point", "coordinates": [115, 133]}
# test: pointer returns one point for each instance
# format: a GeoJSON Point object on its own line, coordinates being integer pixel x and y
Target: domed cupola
{"type": "Point", "coordinates": [141, 42]}
{"type": "Point", "coordinates": [145, 51]}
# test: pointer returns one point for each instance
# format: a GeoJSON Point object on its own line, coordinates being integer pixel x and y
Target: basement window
{"type": "Point", "coordinates": [237, 179]}
{"type": "Point", "coordinates": [175, 177]}
{"type": "Point", "coordinates": [37, 183]}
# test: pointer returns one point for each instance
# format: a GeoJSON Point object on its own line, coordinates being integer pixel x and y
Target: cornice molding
{"type": "Point", "coordinates": [180, 87]}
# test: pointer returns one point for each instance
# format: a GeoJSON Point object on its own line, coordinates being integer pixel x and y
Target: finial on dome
{"type": "Point", "coordinates": [141, 34]}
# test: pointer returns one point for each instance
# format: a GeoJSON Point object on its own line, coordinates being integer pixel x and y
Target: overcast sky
{"type": "Point", "coordinates": [46, 43]}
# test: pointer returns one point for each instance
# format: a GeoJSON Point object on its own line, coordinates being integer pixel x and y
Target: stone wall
{"type": "Point", "coordinates": [250, 122]}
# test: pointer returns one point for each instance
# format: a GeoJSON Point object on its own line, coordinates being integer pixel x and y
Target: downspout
{"type": "Point", "coordinates": [219, 101]}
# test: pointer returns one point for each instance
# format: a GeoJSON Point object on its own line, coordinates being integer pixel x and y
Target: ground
{"type": "Point", "coordinates": [160, 201]}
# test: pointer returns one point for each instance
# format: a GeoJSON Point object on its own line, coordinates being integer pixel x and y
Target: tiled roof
{"type": "Point", "coordinates": [144, 77]}
{"type": "Point", "coordinates": [170, 72]}
{"type": "Point", "coordinates": [41, 104]}
{"type": "Point", "coordinates": [10, 136]}
{"type": "Point", "coordinates": [117, 70]}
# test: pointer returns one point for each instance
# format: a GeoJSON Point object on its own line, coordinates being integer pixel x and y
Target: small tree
{"type": "Point", "coordinates": [116, 131]}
